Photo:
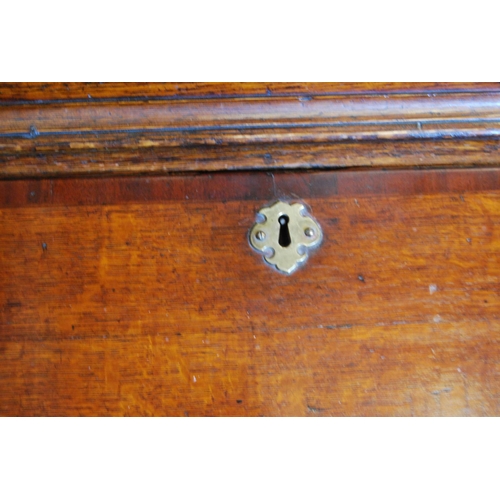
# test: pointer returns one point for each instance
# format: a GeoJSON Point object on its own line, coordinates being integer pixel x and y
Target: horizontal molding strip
{"type": "Point", "coordinates": [50, 92]}
{"type": "Point", "coordinates": [67, 138]}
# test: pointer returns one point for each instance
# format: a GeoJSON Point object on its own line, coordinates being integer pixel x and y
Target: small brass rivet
{"type": "Point", "coordinates": [260, 235]}
{"type": "Point", "coordinates": [309, 232]}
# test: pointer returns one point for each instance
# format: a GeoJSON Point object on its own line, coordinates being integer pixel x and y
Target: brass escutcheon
{"type": "Point", "coordinates": [284, 235]}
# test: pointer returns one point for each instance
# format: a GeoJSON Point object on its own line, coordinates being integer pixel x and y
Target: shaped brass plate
{"type": "Point", "coordinates": [284, 235]}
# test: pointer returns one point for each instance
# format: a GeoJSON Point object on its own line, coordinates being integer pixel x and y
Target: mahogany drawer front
{"type": "Point", "coordinates": [142, 296]}
{"type": "Point", "coordinates": [128, 285]}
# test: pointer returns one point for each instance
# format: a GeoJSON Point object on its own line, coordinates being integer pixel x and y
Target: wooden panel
{"type": "Point", "coordinates": [141, 296]}
{"type": "Point", "coordinates": [210, 133]}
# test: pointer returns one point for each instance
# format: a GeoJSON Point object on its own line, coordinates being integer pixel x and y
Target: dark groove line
{"type": "Point", "coordinates": [278, 126]}
{"type": "Point", "coordinates": [265, 96]}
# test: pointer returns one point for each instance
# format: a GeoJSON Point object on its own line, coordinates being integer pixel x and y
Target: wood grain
{"type": "Point", "coordinates": [32, 91]}
{"type": "Point", "coordinates": [142, 296]}
{"type": "Point", "coordinates": [457, 126]}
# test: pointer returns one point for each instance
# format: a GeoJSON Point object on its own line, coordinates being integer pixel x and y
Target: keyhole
{"type": "Point", "coordinates": [284, 238]}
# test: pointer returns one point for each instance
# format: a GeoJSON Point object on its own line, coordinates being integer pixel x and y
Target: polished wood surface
{"type": "Point", "coordinates": [194, 128]}
{"type": "Point", "coordinates": [142, 296]}
{"type": "Point", "coordinates": [112, 91]}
